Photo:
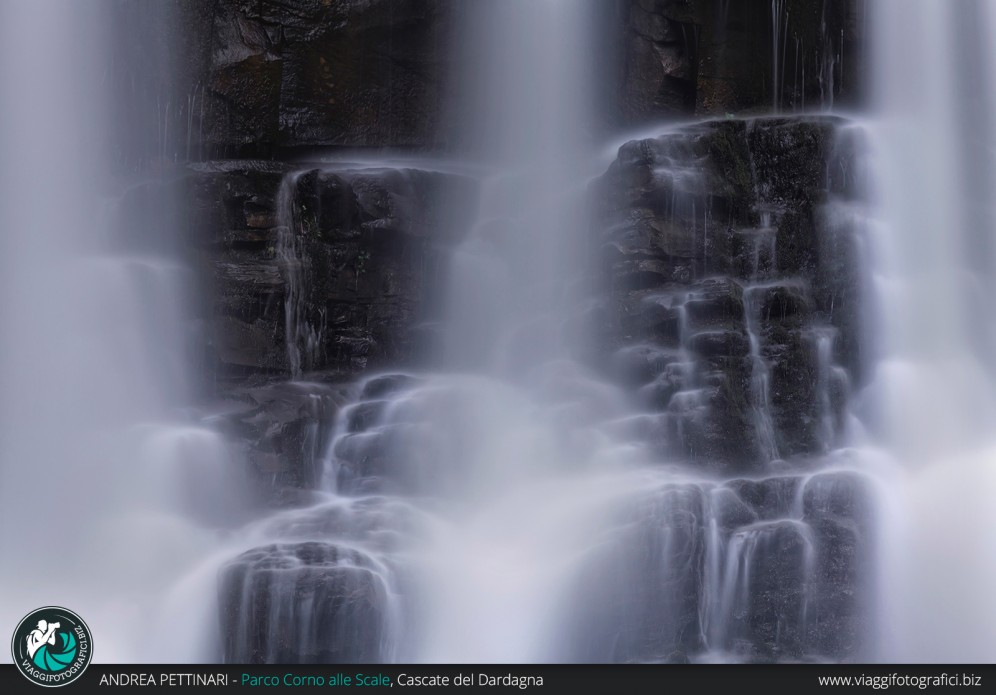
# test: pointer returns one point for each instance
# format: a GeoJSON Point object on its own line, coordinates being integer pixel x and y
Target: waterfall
{"type": "Point", "coordinates": [933, 390]}
{"type": "Point", "coordinates": [528, 119]}
{"type": "Point", "coordinates": [504, 439]}
{"type": "Point", "coordinates": [728, 396]}
{"type": "Point", "coordinates": [109, 491]}
{"type": "Point", "coordinates": [539, 492]}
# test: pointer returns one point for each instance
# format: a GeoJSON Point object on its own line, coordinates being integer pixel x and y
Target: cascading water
{"type": "Point", "coordinates": [518, 507]}
{"type": "Point", "coordinates": [626, 443]}
{"type": "Point", "coordinates": [933, 171]}
{"type": "Point", "coordinates": [108, 492]}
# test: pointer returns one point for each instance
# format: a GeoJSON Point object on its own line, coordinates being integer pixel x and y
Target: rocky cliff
{"type": "Point", "coordinates": [728, 310]}
{"type": "Point", "coordinates": [734, 284]}
{"type": "Point", "coordinates": [730, 266]}
{"type": "Point", "coordinates": [268, 76]}
{"type": "Point", "coordinates": [727, 307]}
{"type": "Point", "coordinates": [683, 57]}
{"type": "Point", "coordinates": [275, 75]}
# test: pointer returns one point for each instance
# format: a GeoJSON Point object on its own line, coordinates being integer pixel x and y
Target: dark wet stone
{"type": "Point", "coordinates": [316, 72]}
{"type": "Point", "coordinates": [711, 344]}
{"type": "Point", "coordinates": [374, 246]}
{"type": "Point", "coordinates": [680, 57]}
{"type": "Point", "coordinates": [707, 222]}
{"type": "Point", "coordinates": [303, 603]}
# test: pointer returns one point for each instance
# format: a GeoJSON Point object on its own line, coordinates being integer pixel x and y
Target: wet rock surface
{"type": "Point", "coordinates": [683, 57]}
{"type": "Point", "coordinates": [372, 246]}
{"type": "Point", "coordinates": [278, 75]}
{"type": "Point", "coordinates": [272, 76]}
{"type": "Point", "coordinates": [283, 430]}
{"type": "Point", "coordinates": [730, 315]}
{"type": "Point", "coordinates": [303, 603]}
{"type": "Point", "coordinates": [755, 570]}
{"type": "Point", "coordinates": [733, 296]}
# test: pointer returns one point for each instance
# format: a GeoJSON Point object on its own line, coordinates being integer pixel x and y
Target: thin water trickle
{"type": "Point", "coordinates": [303, 326]}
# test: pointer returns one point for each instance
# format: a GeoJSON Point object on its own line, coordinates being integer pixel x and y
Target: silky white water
{"type": "Point", "coordinates": [514, 448]}
{"type": "Point", "coordinates": [519, 512]}
{"type": "Point", "coordinates": [108, 493]}
{"type": "Point", "coordinates": [931, 402]}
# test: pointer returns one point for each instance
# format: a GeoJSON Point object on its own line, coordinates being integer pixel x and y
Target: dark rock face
{"type": "Point", "coordinates": [284, 429]}
{"type": "Point", "coordinates": [660, 44]}
{"type": "Point", "coordinates": [322, 72]}
{"type": "Point", "coordinates": [271, 75]}
{"type": "Point", "coordinates": [370, 247]}
{"type": "Point", "coordinates": [712, 57]}
{"type": "Point", "coordinates": [232, 209]}
{"type": "Point", "coordinates": [355, 255]}
{"type": "Point", "coordinates": [760, 570]}
{"type": "Point", "coordinates": [730, 315]}
{"type": "Point", "coordinates": [734, 289]}
{"type": "Point", "coordinates": [303, 603]}
{"type": "Point", "coordinates": [731, 268]}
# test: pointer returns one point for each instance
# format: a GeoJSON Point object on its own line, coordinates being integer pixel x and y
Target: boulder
{"type": "Point", "coordinates": [754, 570]}
{"type": "Point", "coordinates": [304, 603]}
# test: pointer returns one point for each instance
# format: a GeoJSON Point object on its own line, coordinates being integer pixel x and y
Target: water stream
{"type": "Point", "coordinates": [513, 501]}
